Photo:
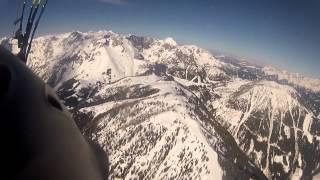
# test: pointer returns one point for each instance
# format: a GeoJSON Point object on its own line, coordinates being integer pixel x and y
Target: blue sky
{"type": "Point", "coordinates": [284, 33]}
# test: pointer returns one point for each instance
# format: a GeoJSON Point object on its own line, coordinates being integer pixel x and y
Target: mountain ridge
{"type": "Point", "coordinates": [141, 93]}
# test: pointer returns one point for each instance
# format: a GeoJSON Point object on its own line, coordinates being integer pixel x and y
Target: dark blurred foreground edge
{"type": "Point", "coordinates": [39, 138]}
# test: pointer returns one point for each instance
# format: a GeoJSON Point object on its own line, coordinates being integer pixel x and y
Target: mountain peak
{"type": "Point", "coordinates": [175, 111]}
{"type": "Point", "coordinates": [170, 41]}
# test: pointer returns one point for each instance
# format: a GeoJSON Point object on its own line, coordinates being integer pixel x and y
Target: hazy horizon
{"type": "Point", "coordinates": [284, 33]}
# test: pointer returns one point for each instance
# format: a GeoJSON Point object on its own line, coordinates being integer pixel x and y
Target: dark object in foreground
{"type": "Point", "coordinates": [39, 138]}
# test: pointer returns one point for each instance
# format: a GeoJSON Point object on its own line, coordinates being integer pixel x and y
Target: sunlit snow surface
{"type": "Point", "coordinates": [233, 121]}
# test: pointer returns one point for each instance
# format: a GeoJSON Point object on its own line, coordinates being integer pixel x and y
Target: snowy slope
{"type": "Point", "coordinates": [162, 110]}
{"type": "Point", "coordinates": [151, 128]}
{"type": "Point", "coordinates": [266, 118]}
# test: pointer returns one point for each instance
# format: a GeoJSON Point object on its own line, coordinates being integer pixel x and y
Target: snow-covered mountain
{"type": "Point", "coordinates": [273, 127]}
{"type": "Point", "coordinates": [166, 111]}
{"type": "Point", "coordinates": [294, 78]}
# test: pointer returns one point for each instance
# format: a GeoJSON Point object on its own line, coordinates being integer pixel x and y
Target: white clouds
{"type": "Point", "coordinates": [115, 2]}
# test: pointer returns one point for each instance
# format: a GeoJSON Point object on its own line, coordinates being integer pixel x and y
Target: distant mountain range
{"type": "Point", "coordinates": [162, 110]}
